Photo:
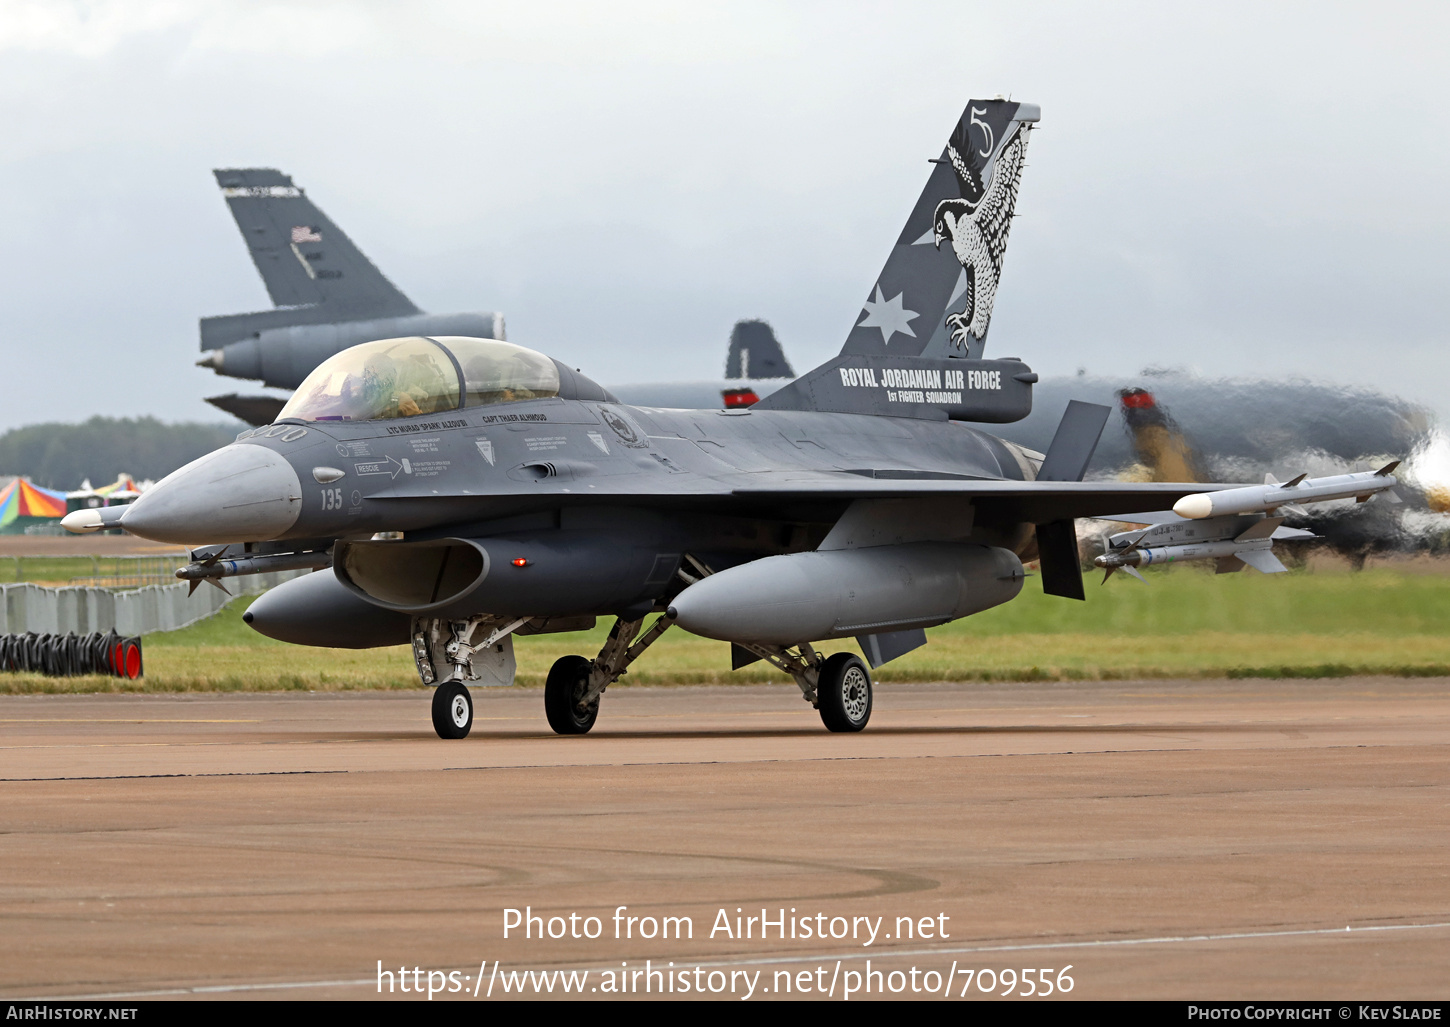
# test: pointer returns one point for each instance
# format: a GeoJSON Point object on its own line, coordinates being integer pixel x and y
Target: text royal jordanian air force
{"type": "Point", "coordinates": [920, 385]}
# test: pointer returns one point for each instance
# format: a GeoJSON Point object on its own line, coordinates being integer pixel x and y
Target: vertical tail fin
{"type": "Point", "coordinates": [918, 342]}
{"type": "Point", "coordinates": [755, 352]}
{"type": "Point", "coordinates": [304, 259]}
{"type": "Point", "coordinates": [948, 259]}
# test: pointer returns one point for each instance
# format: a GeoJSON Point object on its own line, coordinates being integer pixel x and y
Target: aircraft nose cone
{"type": "Point", "coordinates": [240, 493]}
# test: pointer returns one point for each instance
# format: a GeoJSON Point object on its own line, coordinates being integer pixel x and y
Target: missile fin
{"type": "Point", "coordinates": [1295, 480]}
{"type": "Point", "coordinates": [1133, 546]}
{"type": "Point", "coordinates": [1260, 529]}
{"type": "Point", "coordinates": [1391, 496]}
{"type": "Point", "coordinates": [1228, 565]}
{"type": "Point", "coordinates": [1134, 572]}
{"type": "Point", "coordinates": [1288, 534]}
{"type": "Point", "coordinates": [1269, 478]}
{"type": "Point", "coordinates": [1387, 469]}
{"type": "Point", "coordinates": [1262, 561]}
{"type": "Point", "coordinates": [218, 584]}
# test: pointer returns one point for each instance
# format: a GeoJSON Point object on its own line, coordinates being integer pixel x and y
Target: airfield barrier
{"type": "Point", "coordinates": [35, 609]}
{"type": "Point", "coordinates": [71, 655]}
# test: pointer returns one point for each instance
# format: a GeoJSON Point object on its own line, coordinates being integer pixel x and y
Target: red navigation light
{"type": "Point", "coordinates": [1138, 399]}
{"type": "Point", "coordinates": [520, 561]}
{"type": "Point", "coordinates": [735, 398]}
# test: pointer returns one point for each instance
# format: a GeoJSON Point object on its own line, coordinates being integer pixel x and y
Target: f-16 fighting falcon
{"type": "Point", "coordinates": [465, 490]}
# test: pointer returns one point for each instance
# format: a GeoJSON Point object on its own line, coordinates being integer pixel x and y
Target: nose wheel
{"type": "Point", "coordinates": [452, 710]}
{"type": "Point", "coordinates": [843, 693]}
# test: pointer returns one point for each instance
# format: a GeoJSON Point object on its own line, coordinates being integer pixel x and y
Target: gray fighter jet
{"type": "Point", "coordinates": [328, 295]}
{"type": "Point", "coordinates": [465, 490]}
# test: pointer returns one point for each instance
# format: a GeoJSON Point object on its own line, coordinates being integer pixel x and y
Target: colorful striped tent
{"type": "Point", "coordinates": [22, 503]}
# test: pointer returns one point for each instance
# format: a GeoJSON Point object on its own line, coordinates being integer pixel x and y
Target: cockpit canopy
{"type": "Point", "coordinates": [377, 381]}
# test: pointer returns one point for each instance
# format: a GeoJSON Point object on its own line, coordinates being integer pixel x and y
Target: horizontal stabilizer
{"type": "Point", "coordinates": [255, 410]}
{"type": "Point", "coordinates": [1075, 442]}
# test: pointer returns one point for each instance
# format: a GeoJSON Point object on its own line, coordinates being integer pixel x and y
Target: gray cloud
{"type": "Point", "coordinates": [1242, 188]}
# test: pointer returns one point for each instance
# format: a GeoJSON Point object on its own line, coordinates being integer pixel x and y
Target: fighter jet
{"type": "Point", "coordinates": [328, 295]}
{"type": "Point", "coordinates": [465, 490]}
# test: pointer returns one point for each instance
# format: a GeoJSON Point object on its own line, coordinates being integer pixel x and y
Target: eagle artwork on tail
{"type": "Point", "coordinates": [977, 226]}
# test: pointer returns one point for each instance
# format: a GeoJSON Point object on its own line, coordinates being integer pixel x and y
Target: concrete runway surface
{"type": "Point", "coordinates": [1167, 839]}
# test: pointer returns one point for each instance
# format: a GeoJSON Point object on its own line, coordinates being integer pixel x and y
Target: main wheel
{"type": "Point", "coordinates": [565, 686]}
{"type": "Point", "coordinates": [843, 693]}
{"type": "Point", "coordinates": [452, 710]}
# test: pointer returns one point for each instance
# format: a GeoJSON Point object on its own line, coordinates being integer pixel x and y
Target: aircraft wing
{"type": "Point", "coordinates": [1039, 502]}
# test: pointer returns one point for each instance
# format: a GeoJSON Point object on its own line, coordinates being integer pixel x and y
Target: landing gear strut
{"type": "Point", "coordinates": [839, 686]}
{"type": "Point", "coordinates": [574, 685]}
{"type": "Point", "coordinates": [450, 652]}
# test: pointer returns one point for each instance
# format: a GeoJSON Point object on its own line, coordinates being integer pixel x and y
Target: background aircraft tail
{"type": "Point", "coordinates": [916, 347]}
{"type": "Point", "coordinates": [755, 352]}
{"type": "Point", "coordinates": [310, 268]}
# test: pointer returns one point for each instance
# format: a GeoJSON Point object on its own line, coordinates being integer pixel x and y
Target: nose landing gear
{"type": "Point", "coordinates": [452, 710]}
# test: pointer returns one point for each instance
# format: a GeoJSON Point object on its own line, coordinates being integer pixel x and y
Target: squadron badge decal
{"type": "Point", "coordinates": [977, 224]}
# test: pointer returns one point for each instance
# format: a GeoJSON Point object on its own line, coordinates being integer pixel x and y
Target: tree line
{"type": "Point", "coordinates": [60, 456]}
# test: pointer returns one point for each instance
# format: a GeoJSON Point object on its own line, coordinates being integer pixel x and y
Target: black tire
{"type": "Point", "coordinates": [843, 694]}
{"type": "Point", "coordinates": [452, 710]}
{"type": "Point", "coordinates": [568, 678]}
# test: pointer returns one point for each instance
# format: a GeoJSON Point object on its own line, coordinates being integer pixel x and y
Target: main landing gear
{"type": "Point", "coordinates": [574, 684]}
{"type": "Point", "coordinates": [843, 693]}
{"type": "Point", "coordinates": [838, 686]}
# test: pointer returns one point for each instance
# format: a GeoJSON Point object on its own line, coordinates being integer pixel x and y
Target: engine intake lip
{"type": "Point", "coordinates": [413, 577]}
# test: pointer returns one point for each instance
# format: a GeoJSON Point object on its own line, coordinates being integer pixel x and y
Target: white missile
{"type": "Point", "coordinates": [1302, 489]}
{"type": "Point", "coordinates": [83, 522]}
{"type": "Point", "coordinates": [1233, 541]}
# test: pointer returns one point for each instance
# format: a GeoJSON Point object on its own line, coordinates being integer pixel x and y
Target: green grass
{"type": "Point", "coordinates": [1183, 624]}
{"type": "Point", "coordinates": [60, 570]}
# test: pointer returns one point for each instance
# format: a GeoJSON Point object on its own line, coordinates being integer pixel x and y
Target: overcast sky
{"type": "Point", "coordinates": [1245, 189]}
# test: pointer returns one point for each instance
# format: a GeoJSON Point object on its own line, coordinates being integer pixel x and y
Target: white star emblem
{"type": "Point", "coordinates": [888, 315]}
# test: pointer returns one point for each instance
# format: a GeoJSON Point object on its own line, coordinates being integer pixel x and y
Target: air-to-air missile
{"type": "Point", "coordinates": [1230, 526]}
{"type": "Point", "coordinates": [1302, 489]}
{"type": "Point", "coordinates": [1232, 540]}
